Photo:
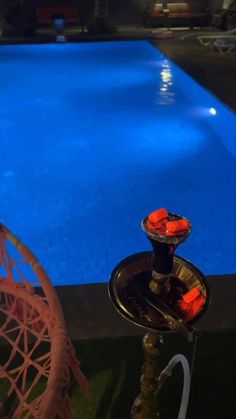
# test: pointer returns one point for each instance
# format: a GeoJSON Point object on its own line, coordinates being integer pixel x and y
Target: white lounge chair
{"type": "Point", "coordinates": [225, 44]}
{"type": "Point", "coordinates": [215, 33]}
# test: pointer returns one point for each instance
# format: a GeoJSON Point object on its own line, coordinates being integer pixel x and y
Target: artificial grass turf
{"type": "Point", "coordinates": [113, 367]}
{"type": "Point", "coordinates": [213, 385]}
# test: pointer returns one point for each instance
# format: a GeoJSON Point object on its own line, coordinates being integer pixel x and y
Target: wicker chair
{"type": "Point", "coordinates": [38, 354]}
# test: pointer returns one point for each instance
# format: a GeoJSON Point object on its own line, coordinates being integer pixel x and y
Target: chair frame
{"type": "Point", "coordinates": [38, 317]}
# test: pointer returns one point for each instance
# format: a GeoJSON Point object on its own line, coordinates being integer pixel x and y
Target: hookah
{"type": "Point", "coordinates": [160, 291]}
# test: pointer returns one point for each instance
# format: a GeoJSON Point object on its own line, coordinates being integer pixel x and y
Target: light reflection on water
{"type": "Point", "coordinates": [165, 94]}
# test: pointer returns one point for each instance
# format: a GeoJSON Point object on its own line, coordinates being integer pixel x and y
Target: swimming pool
{"type": "Point", "coordinates": [96, 135]}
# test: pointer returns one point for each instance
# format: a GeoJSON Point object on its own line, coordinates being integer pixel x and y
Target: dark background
{"type": "Point", "coordinates": [121, 11]}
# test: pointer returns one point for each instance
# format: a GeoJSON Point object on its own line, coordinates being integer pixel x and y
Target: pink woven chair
{"type": "Point", "coordinates": [39, 351]}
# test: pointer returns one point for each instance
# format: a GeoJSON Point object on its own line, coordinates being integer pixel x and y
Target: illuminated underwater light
{"type": "Point", "coordinates": [212, 111]}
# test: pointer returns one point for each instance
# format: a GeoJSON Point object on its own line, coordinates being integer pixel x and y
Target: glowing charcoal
{"type": "Point", "coordinates": [197, 304]}
{"type": "Point", "coordinates": [176, 226]}
{"type": "Point", "coordinates": [157, 215]}
{"type": "Point", "coordinates": [191, 295]}
{"type": "Point", "coordinates": [167, 224]}
{"type": "Point", "coordinates": [159, 227]}
{"type": "Point", "coordinates": [190, 310]}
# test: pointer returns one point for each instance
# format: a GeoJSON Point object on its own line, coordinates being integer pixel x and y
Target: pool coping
{"type": "Point", "coordinates": [89, 312]}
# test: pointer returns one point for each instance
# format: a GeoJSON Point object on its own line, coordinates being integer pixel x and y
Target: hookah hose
{"type": "Point", "coordinates": [167, 371]}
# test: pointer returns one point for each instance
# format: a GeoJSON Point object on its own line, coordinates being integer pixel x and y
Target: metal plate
{"type": "Point", "coordinates": [132, 275]}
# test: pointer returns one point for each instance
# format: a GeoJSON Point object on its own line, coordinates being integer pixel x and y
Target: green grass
{"type": "Point", "coordinates": [113, 367]}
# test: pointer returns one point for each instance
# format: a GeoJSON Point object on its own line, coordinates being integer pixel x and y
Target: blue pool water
{"type": "Point", "coordinates": [96, 135]}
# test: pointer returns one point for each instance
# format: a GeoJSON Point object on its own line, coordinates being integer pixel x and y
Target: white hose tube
{"type": "Point", "coordinates": [186, 386]}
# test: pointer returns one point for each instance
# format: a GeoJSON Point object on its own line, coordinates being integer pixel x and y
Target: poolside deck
{"type": "Point", "coordinates": [89, 312]}
{"type": "Point", "coordinates": [212, 70]}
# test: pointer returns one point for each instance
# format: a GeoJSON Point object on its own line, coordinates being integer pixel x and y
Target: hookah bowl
{"type": "Point", "coordinates": [159, 291]}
